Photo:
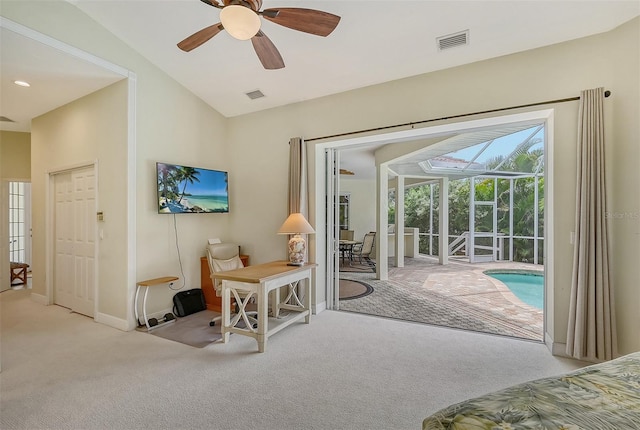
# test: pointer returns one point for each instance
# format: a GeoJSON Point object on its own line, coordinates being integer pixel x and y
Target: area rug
{"type": "Point", "coordinates": [350, 289]}
{"type": "Point", "coordinates": [193, 330]}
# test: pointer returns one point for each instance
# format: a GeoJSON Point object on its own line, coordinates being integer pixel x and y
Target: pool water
{"type": "Point", "coordinates": [528, 287]}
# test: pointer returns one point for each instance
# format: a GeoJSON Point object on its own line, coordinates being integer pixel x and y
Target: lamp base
{"type": "Point", "coordinates": [297, 250]}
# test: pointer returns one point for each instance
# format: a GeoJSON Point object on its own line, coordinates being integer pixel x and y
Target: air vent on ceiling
{"type": "Point", "coordinates": [255, 94]}
{"type": "Point", "coordinates": [5, 119]}
{"type": "Point", "coordinates": [453, 40]}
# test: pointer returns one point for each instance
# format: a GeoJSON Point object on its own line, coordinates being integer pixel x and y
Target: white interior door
{"type": "Point", "coordinates": [75, 240]}
{"type": "Point", "coordinates": [333, 228]}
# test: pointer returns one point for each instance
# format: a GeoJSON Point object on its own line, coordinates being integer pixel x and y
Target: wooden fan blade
{"type": "Point", "coordinates": [200, 37]}
{"type": "Point", "coordinates": [267, 52]}
{"type": "Point", "coordinates": [307, 20]}
{"type": "Point", "coordinates": [213, 3]}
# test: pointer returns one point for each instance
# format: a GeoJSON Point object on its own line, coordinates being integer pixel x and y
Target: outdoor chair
{"type": "Point", "coordinates": [363, 251]}
{"type": "Point", "coordinates": [346, 234]}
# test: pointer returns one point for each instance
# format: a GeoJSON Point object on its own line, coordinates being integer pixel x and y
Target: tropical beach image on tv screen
{"type": "Point", "coordinates": [183, 189]}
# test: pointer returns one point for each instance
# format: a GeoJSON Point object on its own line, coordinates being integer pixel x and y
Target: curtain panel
{"type": "Point", "coordinates": [591, 332]}
{"type": "Point", "coordinates": [298, 184]}
{"type": "Point", "coordinates": [298, 192]}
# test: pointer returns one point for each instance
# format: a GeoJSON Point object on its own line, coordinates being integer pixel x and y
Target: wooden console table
{"type": "Point", "coordinates": [214, 303]}
{"type": "Point", "coordinates": [259, 281]}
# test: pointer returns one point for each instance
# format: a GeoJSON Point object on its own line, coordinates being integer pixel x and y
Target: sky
{"type": "Point", "coordinates": [501, 146]}
{"type": "Point", "coordinates": [211, 182]}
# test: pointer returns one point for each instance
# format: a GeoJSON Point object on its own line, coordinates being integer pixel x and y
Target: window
{"type": "Point", "coordinates": [344, 211]}
{"type": "Point", "coordinates": [17, 227]}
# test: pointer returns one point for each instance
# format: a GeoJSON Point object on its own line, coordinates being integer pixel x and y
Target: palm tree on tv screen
{"type": "Point", "coordinates": [167, 183]}
{"type": "Point", "coordinates": [188, 175]}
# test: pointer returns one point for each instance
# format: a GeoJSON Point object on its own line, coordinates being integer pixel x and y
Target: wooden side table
{"type": "Point", "coordinates": [19, 272]}
{"type": "Point", "coordinates": [146, 285]}
{"type": "Point", "coordinates": [214, 303]}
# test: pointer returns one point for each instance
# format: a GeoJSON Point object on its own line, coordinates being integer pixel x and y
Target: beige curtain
{"type": "Point", "coordinates": [591, 333]}
{"type": "Point", "coordinates": [298, 192]}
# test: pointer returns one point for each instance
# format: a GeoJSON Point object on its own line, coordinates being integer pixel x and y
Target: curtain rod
{"type": "Point", "coordinates": [570, 99]}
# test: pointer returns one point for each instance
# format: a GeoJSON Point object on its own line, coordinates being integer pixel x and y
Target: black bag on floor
{"type": "Point", "coordinates": [188, 302]}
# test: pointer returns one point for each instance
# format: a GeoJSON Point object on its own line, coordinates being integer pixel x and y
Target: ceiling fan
{"type": "Point", "coordinates": [241, 19]}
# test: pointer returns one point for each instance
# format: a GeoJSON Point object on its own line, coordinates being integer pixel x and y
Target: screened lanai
{"type": "Point", "coordinates": [485, 188]}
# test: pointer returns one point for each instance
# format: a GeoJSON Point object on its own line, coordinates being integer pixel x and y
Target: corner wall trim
{"type": "Point", "coordinates": [319, 307]}
{"type": "Point", "coordinates": [40, 299]}
{"type": "Point", "coordinates": [112, 321]}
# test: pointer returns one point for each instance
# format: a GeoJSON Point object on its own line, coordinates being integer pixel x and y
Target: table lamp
{"type": "Point", "coordinates": [296, 224]}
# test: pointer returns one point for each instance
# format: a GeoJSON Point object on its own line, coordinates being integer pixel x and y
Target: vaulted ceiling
{"type": "Point", "coordinates": [375, 41]}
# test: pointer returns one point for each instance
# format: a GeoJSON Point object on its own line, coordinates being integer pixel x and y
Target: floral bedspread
{"type": "Point", "coordinates": [600, 397]}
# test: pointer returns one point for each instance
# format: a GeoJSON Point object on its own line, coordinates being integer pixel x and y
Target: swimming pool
{"type": "Point", "coordinates": [527, 286]}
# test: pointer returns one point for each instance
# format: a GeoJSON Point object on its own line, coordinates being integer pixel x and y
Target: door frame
{"type": "Point", "coordinates": [332, 160]}
{"type": "Point", "coordinates": [320, 246]}
{"type": "Point", "coordinates": [5, 279]}
{"type": "Point", "coordinates": [50, 231]}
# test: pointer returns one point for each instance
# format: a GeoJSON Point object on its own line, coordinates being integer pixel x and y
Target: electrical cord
{"type": "Point", "coordinates": [175, 229]}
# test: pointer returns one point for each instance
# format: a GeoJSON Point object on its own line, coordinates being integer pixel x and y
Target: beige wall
{"type": "Point", "coordinates": [623, 163]}
{"type": "Point", "coordinates": [174, 126]}
{"type": "Point", "coordinates": [15, 155]}
{"type": "Point", "coordinates": [15, 164]}
{"type": "Point", "coordinates": [89, 130]}
{"type": "Point", "coordinates": [171, 125]}
{"type": "Point", "coordinates": [549, 73]}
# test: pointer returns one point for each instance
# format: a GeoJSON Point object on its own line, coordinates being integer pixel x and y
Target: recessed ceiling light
{"type": "Point", "coordinates": [22, 83]}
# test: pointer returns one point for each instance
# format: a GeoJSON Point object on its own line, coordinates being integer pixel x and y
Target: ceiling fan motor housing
{"type": "Point", "coordinates": [251, 4]}
{"type": "Point", "coordinates": [240, 24]}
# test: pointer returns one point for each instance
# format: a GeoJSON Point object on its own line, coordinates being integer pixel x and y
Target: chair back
{"type": "Point", "coordinates": [223, 257]}
{"type": "Point", "coordinates": [346, 234]}
{"type": "Point", "coordinates": [368, 242]}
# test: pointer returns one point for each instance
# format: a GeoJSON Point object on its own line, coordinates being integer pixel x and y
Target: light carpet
{"type": "Point", "coordinates": [61, 370]}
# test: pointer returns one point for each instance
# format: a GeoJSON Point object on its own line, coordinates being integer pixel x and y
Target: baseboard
{"type": "Point", "coordinates": [319, 307]}
{"type": "Point", "coordinates": [114, 322]}
{"type": "Point", "coordinates": [39, 298]}
{"type": "Point", "coordinates": [559, 350]}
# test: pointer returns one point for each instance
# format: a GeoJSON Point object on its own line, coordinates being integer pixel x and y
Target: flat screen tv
{"type": "Point", "coordinates": [184, 189]}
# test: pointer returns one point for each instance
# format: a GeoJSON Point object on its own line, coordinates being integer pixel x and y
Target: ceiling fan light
{"type": "Point", "coordinates": [240, 22]}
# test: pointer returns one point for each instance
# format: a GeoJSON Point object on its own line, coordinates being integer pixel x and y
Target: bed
{"type": "Point", "coordinates": [602, 396]}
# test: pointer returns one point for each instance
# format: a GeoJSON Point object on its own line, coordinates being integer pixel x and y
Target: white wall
{"type": "Point", "coordinates": [362, 216]}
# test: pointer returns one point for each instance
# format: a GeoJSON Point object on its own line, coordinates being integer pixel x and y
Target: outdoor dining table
{"type": "Point", "coordinates": [346, 249]}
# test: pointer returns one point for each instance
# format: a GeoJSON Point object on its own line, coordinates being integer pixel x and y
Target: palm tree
{"type": "Point", "coordinates": [188, 175]}
{"type": "Point", "coordinates": [167, 181]}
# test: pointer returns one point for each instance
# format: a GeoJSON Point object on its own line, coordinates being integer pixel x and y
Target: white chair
{"type": "Point", "coordinates": [223, 257]}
